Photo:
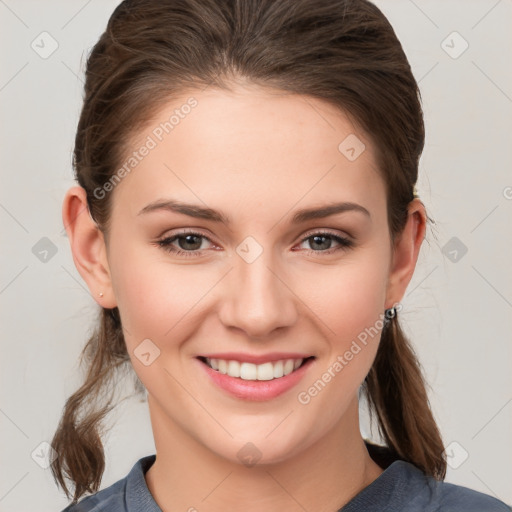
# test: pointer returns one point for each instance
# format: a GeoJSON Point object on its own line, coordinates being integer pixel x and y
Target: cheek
{"type": "Point", "coordinates": [349, 297]}
{"type": "Point", "coordinates": [355, 321]}
{"type": "Point", "coordinates": [141, 291]}
{"type": "Point", "coordinates": [348, 304]}
{"type": "Point", "coordinates": [155, 297]}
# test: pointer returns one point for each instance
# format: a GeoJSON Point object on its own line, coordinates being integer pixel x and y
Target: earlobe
{"type": "Point", "coordinates": [406, 252]}
{"type": "Point", "coordinates": [87, 246]}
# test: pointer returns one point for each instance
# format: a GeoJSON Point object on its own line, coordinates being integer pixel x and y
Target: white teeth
{"type": "Point", "coordinates": [249, 371]}
{"type": "Point", "coordinates": [223, 366]}
{"type": "Point", "coordinates": [265, 371]}
{"type": "Point", "coordinates": [278, 369]}
{"type": "Point", "coordinates": [288, 366]}
{"type": "Point", "coordinates": [234, 368]}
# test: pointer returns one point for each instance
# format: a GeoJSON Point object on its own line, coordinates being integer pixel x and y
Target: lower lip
{"type": "Point", "coordinates": [257, 390]}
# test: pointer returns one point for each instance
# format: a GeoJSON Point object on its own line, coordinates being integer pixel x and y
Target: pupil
{"type": "Point", "coordinates": [316, 237]}
{"type": "Point", "coordinates": [187, 241]}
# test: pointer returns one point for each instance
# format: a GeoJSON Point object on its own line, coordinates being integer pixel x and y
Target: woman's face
{"type": "Point", "coordinates": [258, 283]}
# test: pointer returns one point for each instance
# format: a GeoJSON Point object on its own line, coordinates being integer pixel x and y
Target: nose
{"type": "Point", "coordinates": [257, 299]}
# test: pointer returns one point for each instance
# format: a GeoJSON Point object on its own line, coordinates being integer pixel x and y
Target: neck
{"type": "Point", "coordinates": [324, 477]}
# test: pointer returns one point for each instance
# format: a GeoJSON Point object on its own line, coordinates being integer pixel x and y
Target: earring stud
{"type": "Point", "coordinates": [390, 313]}
{"type": "Point", "coordinates": [101, 294]}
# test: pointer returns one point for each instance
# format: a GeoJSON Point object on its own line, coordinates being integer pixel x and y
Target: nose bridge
{"type": "Point", "coordinates": [258, 301]}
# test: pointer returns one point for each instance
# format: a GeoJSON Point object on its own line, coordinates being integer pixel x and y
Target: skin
{"type": "Point", "coordinates": [258, 156]}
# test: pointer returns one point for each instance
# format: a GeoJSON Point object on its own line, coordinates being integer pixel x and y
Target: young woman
{"type": "Point", "coordinates": [246, 219]}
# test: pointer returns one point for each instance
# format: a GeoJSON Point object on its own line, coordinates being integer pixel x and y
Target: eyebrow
{"type": "Point", "coordinates": [201, 212]}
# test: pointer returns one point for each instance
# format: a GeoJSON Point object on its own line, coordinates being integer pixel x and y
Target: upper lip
{"type": "Point", "coordinates": [256, 359]}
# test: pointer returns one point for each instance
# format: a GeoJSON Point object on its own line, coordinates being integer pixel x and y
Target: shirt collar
{"type": "Point", "coordinates": [138, 496]}
{"type": "Point", "coordinates": [389, 491]}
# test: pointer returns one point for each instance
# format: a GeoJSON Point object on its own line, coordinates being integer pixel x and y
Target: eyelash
{"type": "Point", "coordinates": [165, 243]}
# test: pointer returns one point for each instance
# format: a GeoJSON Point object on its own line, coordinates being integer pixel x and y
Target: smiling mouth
{"type": "Point", "coordinates": [249, 371]}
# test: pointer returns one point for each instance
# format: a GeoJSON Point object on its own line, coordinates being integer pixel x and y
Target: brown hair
{"type": "Point", "coordinates": [342, 51]}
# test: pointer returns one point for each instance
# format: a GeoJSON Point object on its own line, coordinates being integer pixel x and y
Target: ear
{"type": "Point", "coordinates": [87, 246]}
{"type": "Point", "coordinates": [406, 251]}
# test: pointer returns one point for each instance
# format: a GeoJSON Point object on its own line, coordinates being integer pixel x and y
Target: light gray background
{"type": "Point", "coordinates": [458, 306]}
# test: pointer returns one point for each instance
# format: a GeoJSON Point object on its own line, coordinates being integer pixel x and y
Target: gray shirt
{"type": "Point", "coordinates": [401, 487]}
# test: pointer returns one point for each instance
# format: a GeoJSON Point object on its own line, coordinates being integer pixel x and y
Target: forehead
{"type": "Point", "coordinates": [251, 146]}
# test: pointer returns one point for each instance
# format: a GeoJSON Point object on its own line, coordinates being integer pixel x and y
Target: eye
{"type": "Point", "coordinates": [319, 239]}
{"type": "Point", "coordinates": [192, 243]}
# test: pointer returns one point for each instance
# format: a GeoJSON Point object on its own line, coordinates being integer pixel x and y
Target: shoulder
{"type": "Point", "coordinates": [131, 491]}
{"type": "Point", "coordinates": [452, 497]}
{"type": "Point", "coordinates": [439, 496]}
{"type": "Point", "coordinates": [110, 498]}
{"type": "Point", "coordinates": [403, 486]}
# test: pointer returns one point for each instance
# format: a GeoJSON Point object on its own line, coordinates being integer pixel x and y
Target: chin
{"type": "Point", "coordinates": [259, 451]}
